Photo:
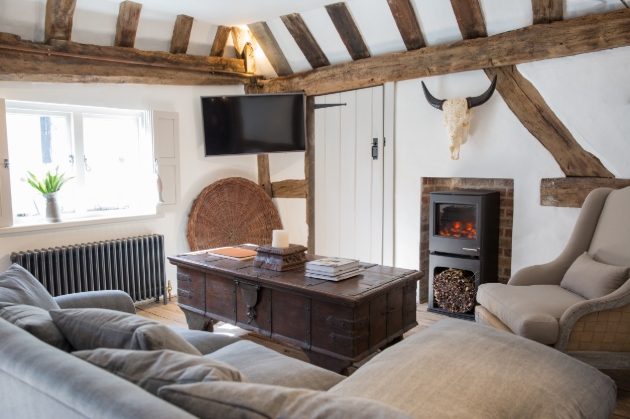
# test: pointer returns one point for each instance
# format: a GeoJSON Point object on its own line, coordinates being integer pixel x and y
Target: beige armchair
{"type": "Point", "coordinates": [534, 305]}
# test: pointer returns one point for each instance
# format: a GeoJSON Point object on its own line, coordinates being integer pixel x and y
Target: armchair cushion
{"type": "Point", "coordinates": [611, 240]}
{"type": "Point", "coordinates": [18, 286]}
{"type": "Point", "coordinates": [110, 300]}
{"type": "Point", "coordinates": [529, 311]}
{"type": "Point", "coordinates": [93, 328]}
{"type": "Point", "coordinates": [592, 279]}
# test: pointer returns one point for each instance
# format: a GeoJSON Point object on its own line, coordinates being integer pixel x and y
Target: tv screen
{"type": "Point", "coordinates": [254, 124]}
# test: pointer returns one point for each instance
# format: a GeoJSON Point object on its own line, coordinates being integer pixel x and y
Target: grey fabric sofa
{"type": "Point", "coordinates": [452, 369]}
{"type": "Point", "coordinates": [536, 303]}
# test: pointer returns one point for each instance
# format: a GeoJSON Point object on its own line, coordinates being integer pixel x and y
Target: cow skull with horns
{"type": "Point", "coordinates": [457, 115]}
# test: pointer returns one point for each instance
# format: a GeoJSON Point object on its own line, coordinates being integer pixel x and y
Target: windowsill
{"type": "Point", "coordinates": [78, 222]}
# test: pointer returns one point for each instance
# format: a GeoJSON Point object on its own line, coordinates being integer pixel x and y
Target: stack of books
{"type": "Point", "coordinates": [333, 269]}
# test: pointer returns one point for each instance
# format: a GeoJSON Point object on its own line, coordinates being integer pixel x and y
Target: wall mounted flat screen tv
{"type": "Point", "coordinates": [254, 124]}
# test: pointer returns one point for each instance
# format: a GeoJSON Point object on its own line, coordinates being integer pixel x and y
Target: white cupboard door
{"type": "Point", "coordinates": [348, 179]}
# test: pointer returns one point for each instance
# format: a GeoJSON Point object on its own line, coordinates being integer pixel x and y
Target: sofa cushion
{"type": "Point", "coordinates": [224, 400]}
{"type": "Point", "coordinates": [39, 381]}
{"type": "Point", "coordinates": [592, 279]}
{"type": "Point", "coordinates": [459, 369]}
{"type": "Point", "coordinates": [35, 321]}
{"type": "Point", "coordinates": [264, 366]}
{"type": "Point", "coordinates": [530, 311]}
{"type": "Point", "coordinates": [611, 240]}
{"type": "Point", "coordinates": [154, 369]}
{"type": "Point", "coordinates": [205, 342]}
{"type": "Point", "coordinates": [93, 328]}
{"type": "Point", "coordinates": [18, 286]}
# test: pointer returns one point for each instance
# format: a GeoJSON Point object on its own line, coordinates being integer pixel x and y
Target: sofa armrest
{"type": "Point", "coordinates": [575, 313]}
{"type": "Point", "coordinates": [111, 300]}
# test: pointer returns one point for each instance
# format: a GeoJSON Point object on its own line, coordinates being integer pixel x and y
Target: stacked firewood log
{"type": "Point", "coordinates": [454, 290]}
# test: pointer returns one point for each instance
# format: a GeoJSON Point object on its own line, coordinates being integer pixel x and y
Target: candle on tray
{"type": "Point", "coordinates": [280, 239]}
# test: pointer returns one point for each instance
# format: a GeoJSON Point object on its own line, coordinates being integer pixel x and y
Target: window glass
{"type": "Point", "coordinates": [39, 142]}
{"type": "Point", "coordinates": [112, 162]}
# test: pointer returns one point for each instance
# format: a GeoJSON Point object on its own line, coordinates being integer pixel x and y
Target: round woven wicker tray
{"type": "Point", "coordinates": [229, 212]}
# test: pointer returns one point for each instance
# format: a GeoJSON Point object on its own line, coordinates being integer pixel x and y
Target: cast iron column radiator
{"type": "Point", "coordinates": [134, 265]}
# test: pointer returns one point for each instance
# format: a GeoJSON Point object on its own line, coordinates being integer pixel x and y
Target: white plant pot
{"type": "Point", "coordinates": [53, 211]}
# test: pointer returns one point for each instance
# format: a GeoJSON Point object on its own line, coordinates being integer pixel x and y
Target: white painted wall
{"type": "Point", "coordinates": [197, 171]}
{"type": "Point", "coordinates": [589, 93]}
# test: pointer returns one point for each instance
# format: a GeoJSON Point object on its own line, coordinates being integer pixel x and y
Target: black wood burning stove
{"type": "Point", "coordinates": [463, 235]}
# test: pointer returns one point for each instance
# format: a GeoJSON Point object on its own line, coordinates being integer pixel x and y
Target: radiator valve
{"type": "Point", "coordinates": [169, 288]}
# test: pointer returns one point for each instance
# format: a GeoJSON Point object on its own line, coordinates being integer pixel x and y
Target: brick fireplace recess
{"type": "Point", "coordinates": [466, 228]}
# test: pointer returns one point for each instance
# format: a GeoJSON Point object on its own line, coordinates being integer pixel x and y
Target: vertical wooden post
{"type": "Point", "coordinates": [264, 177]}
{"type": "Point", "coordinates": [59, 17]}
{"type": "Point", "coordinates": [127, 24]}
{"type": "Point", "coordinates": [250, 59]}
{"type": "Point", "coordinates": [309, 172]}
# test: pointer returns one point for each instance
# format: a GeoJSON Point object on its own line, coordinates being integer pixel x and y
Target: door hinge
{"type": "Point", "coordinates": [6, 163]}
{"type": "Point", "coordinates": [327, 105]}
{"type": "Point", "coordinates": [375, 148]}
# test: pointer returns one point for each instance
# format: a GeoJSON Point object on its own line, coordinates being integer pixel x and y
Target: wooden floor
{"type": "Point", "coordinates": [171, 315]}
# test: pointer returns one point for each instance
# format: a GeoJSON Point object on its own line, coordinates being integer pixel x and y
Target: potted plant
{"type": "Point", "coordinates": [49, 188]}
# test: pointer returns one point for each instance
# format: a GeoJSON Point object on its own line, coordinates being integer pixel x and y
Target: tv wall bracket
{"type": "Point", "coordinates": [328, 105]}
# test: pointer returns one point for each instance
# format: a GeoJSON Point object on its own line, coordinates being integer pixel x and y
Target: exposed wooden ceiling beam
{"type": "Point", "coordinates": [249, 58]}
{"type": "Point", "coordinates": [66, 61]}
{"type": "Point", "coordinates": [127, 24]}
{"type": "Point", "coordinates": [220, 41]}
{"type": "Point", "coordinates": [181, 34]}
{"type": "Point", "coordinates": [407, 22]}
{"type": "Point", "coordinates": [239, 38]}
{"type": "Point", "coordinates": [531, 109]}
{"type": "Point", "coordinates": [348, 30]}
{"type": "Point", "coordinates": [305, 40]}
{"type": "Point", "coordinates": [547, 11]}
{"type": "Point", "coordinates": [469, 18]}
{"type": "Point", "coordinates": [533, 43]}
{"type": "Point", "coordinates": [270, 47]}
{"type": "Point", "coordinates": [572, 191]}
{"type": "Point", "coordinates": [58, 21]}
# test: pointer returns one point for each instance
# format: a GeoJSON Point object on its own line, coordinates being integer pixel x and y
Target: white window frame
{"type": "Point", "coordinates": [81, 216]}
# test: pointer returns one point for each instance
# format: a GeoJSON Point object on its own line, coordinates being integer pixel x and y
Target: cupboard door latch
{"type": "Point", "coordinates": [374, 148]}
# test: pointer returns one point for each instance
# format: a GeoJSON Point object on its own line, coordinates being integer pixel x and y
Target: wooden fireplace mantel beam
{"type": "Point", "coordinates": [533, 43]}
{"type": "Point", "coordinates": [572, 191]}
{"type": "Point", "coordinates": [65, 61]}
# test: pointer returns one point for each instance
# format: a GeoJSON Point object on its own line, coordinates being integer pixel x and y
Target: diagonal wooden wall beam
{"type": "Point", "coordinates": [469, 18]}
{"type": "Point", "coordinates": [305, 40]}
{"type": "Point", "coordinates": [270, 47]}
{"type": "Point", "coordinates": [127, 24]}
{"type": "Point", "coordinates": [181, 34]}
{"type": "Point", "coordinates": [220, 41]}
{"type": "Point", "coordinates": [407, 22]}
{"type": "Point", "coordinates": [348, 30]}
{"type": "Point", "coordinates": [547, 11]}
{"type": "Point", "coordinates": [531, 109]}
{"type": "Point", "coordinates": [58, 21]}
{"type": "Point", "coordinates": [239, 38]}
{"type": "Point", "coordinates": [533, 43]}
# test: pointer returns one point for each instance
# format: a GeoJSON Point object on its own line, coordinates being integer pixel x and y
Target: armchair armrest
{"type": "Point", "coordinates": [614, 300]}
{"type": "Point", "coordinates": [111, 300]}
{"type": "Point", "coordinates": [548, 274]}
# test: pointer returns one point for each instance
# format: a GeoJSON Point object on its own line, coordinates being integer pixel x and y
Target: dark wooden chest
{"type": "Point", "coordinates": [334, 323]}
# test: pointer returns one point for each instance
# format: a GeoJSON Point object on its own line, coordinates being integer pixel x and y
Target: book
{"type": "Point", "coordinates": [337, 277]}
{"type": "Point", "coordinates": [332, 265]}
{"type": "Point", "coordinates": [236, 253]}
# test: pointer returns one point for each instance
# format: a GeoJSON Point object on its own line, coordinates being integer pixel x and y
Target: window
{"type": "Point", "coordinates": [108, 152]}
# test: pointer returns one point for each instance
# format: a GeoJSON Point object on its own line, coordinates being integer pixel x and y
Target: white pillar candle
{"type": "Point", "coordinates": [280, 239]}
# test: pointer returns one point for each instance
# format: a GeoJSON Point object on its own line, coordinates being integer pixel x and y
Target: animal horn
{"type": "Point", "coordinates": [436, 103]}
{"type": "Point", "coordinates": [480, 100]}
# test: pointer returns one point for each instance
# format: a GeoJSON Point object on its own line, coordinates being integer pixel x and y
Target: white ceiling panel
{"type": "Point", "coordinates": [377, 26]}
{"type": "Point", "coordinates": [503, 16]}
{"type": "Point", "coordinates": [289, 47]}
{"type": "Point", "coordinates": [577, 8]}
{"type": "Point", "coordinates": [326, 35]}
{"type": "Point", "coordinates": [437, 21]}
